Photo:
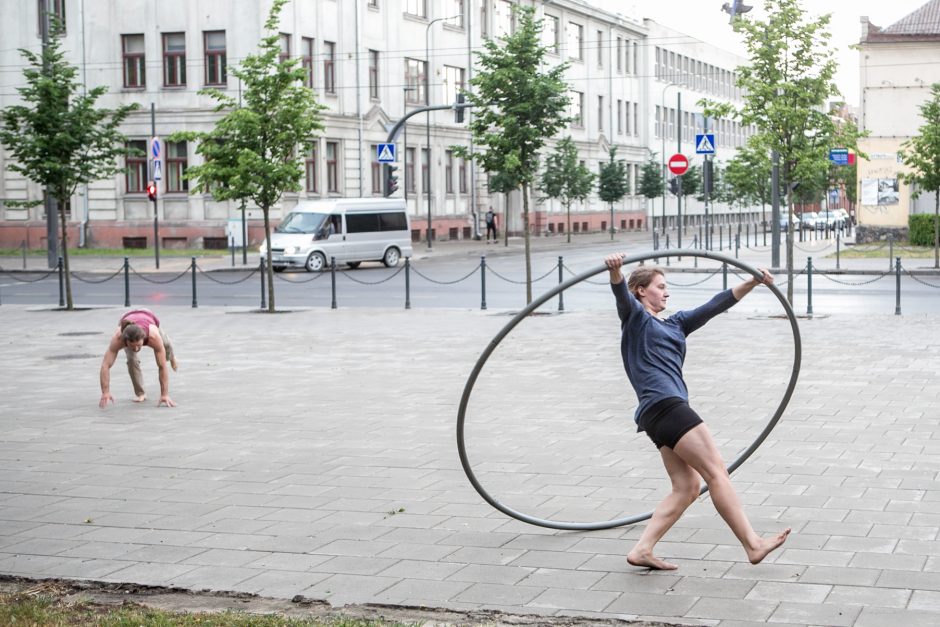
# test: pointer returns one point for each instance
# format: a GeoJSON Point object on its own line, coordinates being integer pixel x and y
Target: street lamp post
{"type": "Point", "coordinates": [404, 130]}
{"type": "Point", "coordinates": [427, 97]}
{"type": "Point", "coordinates": [662, 133]}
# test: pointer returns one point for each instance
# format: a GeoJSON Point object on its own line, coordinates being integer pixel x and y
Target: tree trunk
{"type": "Point", "coordinates": [936, 230]}
{"type": "Point", "coordinates": [528, 250]}
{"type": "Point", "coordinates": [69, 303]}
{"type": "Point", "coordinates": [611, 221]}
{"type": "Point", "coordinates": [568, 228]}
{"type": "Point", "coordinates": [268, 268]}
{"type": "Point", "coordinates": [787, 197]}
{"type": "Point", "coordinates": [506, 219]}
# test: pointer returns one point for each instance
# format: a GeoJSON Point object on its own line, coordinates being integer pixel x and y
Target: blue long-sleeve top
{"type": "Point", "coordinates": [653, 350]}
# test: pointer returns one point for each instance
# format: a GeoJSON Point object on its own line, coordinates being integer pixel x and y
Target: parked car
{"type": "Point", "coordinates": [784, 222]}
{"type": "Point", "coordinates": [845, 216]}
{"type": "Point", "coordinates": [808, 220]}
{"type": "Point", "coordinates": [830, 220]}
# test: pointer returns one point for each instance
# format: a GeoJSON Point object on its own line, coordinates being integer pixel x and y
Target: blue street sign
{"type": "Point", "coordinates": [385, 153]}
{"type": "Point", "coordinates": [839, 156]}
{"type": "Point", "coordinates": [705, 144]}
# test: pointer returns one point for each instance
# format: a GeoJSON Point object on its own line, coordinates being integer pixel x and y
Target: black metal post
{"type": "Point", "coordinates": [897, 289]}
{"type": "Point", "coordinates": [890, 250]}
{"type": "Point", "coordinates": [838, 242]}
{"type": "Point", "coordinates": [127, 283]}
{"type": "Point", "coordinates": [737, 244]}
{"type": "Point", "coordinates": [232, 246]}
{"type": "Point", "coordinates": [724, 276]}
{"type": "Point", "coordinates": [407, 282]}
{"type": "Point", "coordinates": [193, 268]}
{"type": "Point", "coordinates": [264, 298]}
{"type": "Point", "coordinates": [24, 253]}
{"type": "Point", "coordinates": [809, 286]}
{"type": "Point", "coordinates": [333, 281]}
{"type": "Point", "coordinates": [561, 279]}
{"type": "Point", "coordinates": [483, 281]}
{"type": "Point", "coordinates": [721, 237]}
{"type": "Point", "coordinates": [61, 284]}
{"type": "Point", "coordinates": [244, 237]}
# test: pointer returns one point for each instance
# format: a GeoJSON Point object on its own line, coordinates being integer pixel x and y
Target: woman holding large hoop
{"type": "Point", "coordinates": [653, 352]}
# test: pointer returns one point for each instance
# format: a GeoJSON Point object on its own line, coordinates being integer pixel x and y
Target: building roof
{"type": "Point", "coordinates": [920, 25]}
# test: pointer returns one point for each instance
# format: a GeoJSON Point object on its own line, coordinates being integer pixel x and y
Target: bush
{"type": "Point", "coordinates": [921, 229]}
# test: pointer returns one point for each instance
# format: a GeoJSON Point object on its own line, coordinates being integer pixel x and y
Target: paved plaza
{"type": "Point", "coordinates": [313, 452]}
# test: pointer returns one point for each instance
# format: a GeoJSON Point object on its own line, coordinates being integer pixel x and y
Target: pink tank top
{"type": "Point", "coordinates": [143, 318]}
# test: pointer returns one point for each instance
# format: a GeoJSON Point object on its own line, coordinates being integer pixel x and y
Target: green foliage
{"type": "Point", "coordinates": [747, 177]}
{"type": "Point", "coordinates": [921, 226]}
{"type": "Point", "coordinates": [612, 184]}
{"type": "Point", "coordinates": [921, 153]}
{"type": "Point", "coordinates": [57, 137]}
{"type": "Point", "coordinates": [691, 181]}
{"type": "Point", "coordinates": [565, 177]}
{"type": "Point", "coordinates": [651, 178]}
{"type": "Point", "coordinates": [252, 152]}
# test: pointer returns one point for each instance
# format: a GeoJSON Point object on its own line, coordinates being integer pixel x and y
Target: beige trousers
{"type": "Point", "coordinates": [133, 363]}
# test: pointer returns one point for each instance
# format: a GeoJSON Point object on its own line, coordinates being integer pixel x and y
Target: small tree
{"type": "Point", "coordinates": [502, 183]}
{"type": "Point", "coordinates": [58, 138]}
{"type": "Point", "coordinates": [651, 182]}
{"type": "Point", "coordinates": [612, 184]}
{"type": "Point", "coordinates": [566, 178]}
{"type": "Point", "coordinates": [921, 154]}
{"type": "Point", "coordinates": [251, 153]}
{"type": "Point", "coordinates": [747, 176]}
{"type": "Point", "coordinates": [518, 106]}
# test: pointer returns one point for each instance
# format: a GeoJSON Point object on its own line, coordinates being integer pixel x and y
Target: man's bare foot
{"type": "Point", "coordinates": [174, 364]}
{"type": "Point", "coordinates": [648, 560]}
{"type": "Point", "coordinates": [767, 545]}
{"type": "Point", "coordinates": [141, 398]}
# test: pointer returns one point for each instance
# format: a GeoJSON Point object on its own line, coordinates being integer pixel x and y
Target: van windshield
{"type": "Point", "coordinates": [297, 222]}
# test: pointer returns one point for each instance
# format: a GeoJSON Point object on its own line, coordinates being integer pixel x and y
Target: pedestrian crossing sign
{"type": "Point", "coordinates": [385, 153]}
{"type": "Point", "coordinates": [705, 144]}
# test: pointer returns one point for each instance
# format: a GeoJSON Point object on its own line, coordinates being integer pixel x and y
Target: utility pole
{"type": "Point", "coordinates": [155, 176]}
{"type": "Point", "coordinates": [679, 130]}
{"type": "Point", "coordinates": [775, 210]}
{"type": "Point", "coordinates": [49, 202]}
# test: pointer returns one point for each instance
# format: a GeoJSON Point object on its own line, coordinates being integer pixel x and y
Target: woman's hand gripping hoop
{"type": "Point", "coordinates": [629, 520]}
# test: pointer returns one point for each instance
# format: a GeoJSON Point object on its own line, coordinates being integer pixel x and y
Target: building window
{"type": "Point", "coordinates": [620, 116]}
{"type": "Point", "coordinates": [216, 70]}
{"type": "Point", "coordinates": [502, 18]}
{"type": "Point", "coordinates": [636, 118]}
{"type": "Point", "coordinates": [135, 73]}
{"type": "Point", "coordinates": [550, 33]}
{"type": "Point", "coordinates": [306, 56]}
{"type": "Point", "coordinates": [456, 9]}
{"type": "Point", "coordinates": [410, 170]}
{"type": "Point", "coordinates": [425, 171]}
{"type": "Point", "coordinates": [135, 178]}
{"type": "Point", "coordinates": [374, 74]}
{"type": "Point", "coordinates": [376, 171]}
{"type": "Point", "coordinates": [462, 176]}
{"type": "Point", "coordinates": [174, 59]}
{"type": "Point", "coordinates": [449, 171]}
{"type": "Point", "coordinates": [311, 169]}
{"type": "Point", "coordinates": [600, 48]}
{"type": "Point", "coordinates": [329, 63]}
{"type": "Point", "coordinates": [619, 55]}
{"type": "Point", "coordinates": [176, 162]}
{"type": "Point", "coordinates": [416, 7]}
{"type": "Point", "coordinates": [56, 9]}
{"type": "Point", "coordinates": [285, 48]}
{"type": "Point", "coordinates": [374, 4]}
{"type": "Point", "coordinates": [332, 167]}
{"type": "Point", "coordinates": [414, 80]}
{"type": "Point", "coordinates": [600, 113]}
{"type": "Point", "coordinates": [575, 41]}
{"type": "Point", "coordinates": [576, 108]}
{"type": "Point", "coordinates": [453, 83]}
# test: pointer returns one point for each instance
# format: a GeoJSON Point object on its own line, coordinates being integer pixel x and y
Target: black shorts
{"type": "Point", "coordinates": [667, 421]}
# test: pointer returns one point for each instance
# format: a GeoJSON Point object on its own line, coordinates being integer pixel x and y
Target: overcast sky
{"type": "Point", "coordinates": [704, 19]}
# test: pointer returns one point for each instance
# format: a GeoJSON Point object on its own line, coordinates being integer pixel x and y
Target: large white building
{"type": "Point", "coordinates": [369, 61]}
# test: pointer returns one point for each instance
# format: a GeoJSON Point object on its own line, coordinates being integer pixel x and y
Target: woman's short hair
{"type": "Point", "coordinates": [642, 277]}
{"type": "Point", "coordinates": [130, 332]}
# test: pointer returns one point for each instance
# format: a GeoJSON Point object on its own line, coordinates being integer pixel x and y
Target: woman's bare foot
{"type": "Point", "coordinates": [648, 560]}
{"type": "Point", "coordinates": [757, 555]}
{"type": "Point", "coordinates": [141, 398]}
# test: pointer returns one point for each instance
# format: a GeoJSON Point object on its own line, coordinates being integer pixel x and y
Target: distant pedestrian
{"type": "Point", "coordinates": [653, 352]}
{"type": "Point", "coordinates": [490, 218]}
{"type": "Point", "coordinates": [139, 328]}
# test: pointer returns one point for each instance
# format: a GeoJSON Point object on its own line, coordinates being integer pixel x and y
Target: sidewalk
{"type": "Point", "coordinates": [313, 453]}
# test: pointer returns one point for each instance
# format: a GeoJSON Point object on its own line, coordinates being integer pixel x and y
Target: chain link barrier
{"type": "Point", "coordinates": [209, 276]}
{"type": "Point", "coordinates": [148, 280]}
{"type": "Point", "coordinates": [921, 281]}
{"type": "Point", "coordinates": [463, 278]}
{"type": "Point", "coordinates": [508, 280]}
{"type": "Point", "coordinates": [817, 272]}
{"type": "Point", "coordinates": [869, 249]}
{"type": "Point", "coordinates": [573, 273]}
{"type": "Point", "coordinates": [316, 275]}
{"type": "Point", "coordinates": [16, 278]}
{"type": "Point", "coordinates": [74, 275]}
{"type": "Point", "coordinates": [380, 281]}
{"type": "Point", "coordinates": [812, 250]}
{"type": "Point", "coordinates": [672, 281]}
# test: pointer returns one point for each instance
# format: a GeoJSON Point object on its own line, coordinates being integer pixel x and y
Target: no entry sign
{"type": "Point", "coordinates": [678, 164]}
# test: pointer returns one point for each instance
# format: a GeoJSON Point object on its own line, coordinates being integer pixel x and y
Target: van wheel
{"type": "Point", "coordinates": [353, 264]}
{"type": "Point", "coordinates": [316, 262]}
{"type": "Point", "coordinates": [391, 258]}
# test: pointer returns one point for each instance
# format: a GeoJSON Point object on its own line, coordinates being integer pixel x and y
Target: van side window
{"type": "Point", "coordinates": [362, 222]}
{"type": "Point", "coordinates": [393, 221]}
{"type": "Point", "coordinates": [335, 224]}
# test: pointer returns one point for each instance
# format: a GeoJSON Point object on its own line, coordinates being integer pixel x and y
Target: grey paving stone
{"type": "Point", "coordinates": [786, 591]}
{"type": "Point", "coordinates": [840, 575]}
{"type": "Point", "coordinates": [218, 577]}
{"type": "Point", "coordinates": [489, 573]}
{"type": "Point", "coordinates": [869, 597]}
{"type": "Point", "coordinates": [888, 562]}
{"type": "Point", "coordinates": [835, 615]}
{"type": "Point", "coordinates": [879, 617]}
{"type": "Point", "coordinates": [573, 600]}
{"type": "Point", "coordinates": [279, 584]}
{"type": "Point", "coordinates": [923, 600]}
{"type": "Point", "coordinates": [712, 587]}
{"type": "Point", "coordinates": [422, 592]}
{"type": "Point", "coordinates": [651, 604]}
{"type": "Point", "coordinates": [510, 595]}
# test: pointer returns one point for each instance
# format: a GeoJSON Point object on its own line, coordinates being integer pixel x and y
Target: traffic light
{"type": "Point", "coordinates": [152, 190]}
{"type": "Point", "coordinates": [458, 110]}
{"type": "Point", "coordinates": [674, 185]}
{"type": "Point", "coordinates": [709, 175]}
{"type": "Point", "coordinates": [735, 8]}
{"type": "Point", "coordinates": [391, 179]}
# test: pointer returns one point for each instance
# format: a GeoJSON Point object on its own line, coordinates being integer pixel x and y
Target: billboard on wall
{"type": "Point", "coordinates": [880, 191]}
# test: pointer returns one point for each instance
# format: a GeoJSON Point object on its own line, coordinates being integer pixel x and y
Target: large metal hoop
{"type": "Point", "coordinates": [519, 317]}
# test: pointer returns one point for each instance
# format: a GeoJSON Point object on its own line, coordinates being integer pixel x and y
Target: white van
{"type": "Point", "coordinates": [352, 230]}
